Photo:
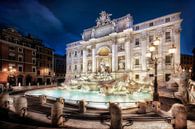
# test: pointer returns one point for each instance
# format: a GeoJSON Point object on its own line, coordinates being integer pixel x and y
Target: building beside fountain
{"type": "Point", "coordinates": [120, 47]}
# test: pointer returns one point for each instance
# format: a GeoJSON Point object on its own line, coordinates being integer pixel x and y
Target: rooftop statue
{"type": "Point", "coordinates": [103, 19]}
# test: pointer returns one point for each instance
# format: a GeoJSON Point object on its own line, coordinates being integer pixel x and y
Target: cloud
{"type": "Point", "coordinates": [33, 17]}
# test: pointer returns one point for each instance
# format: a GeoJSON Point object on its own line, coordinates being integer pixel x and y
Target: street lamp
{"type": "Point", "coordinates": [152, 48]}
{"type": "Point", "coordinates": [153, 55]}
{"type": "Point", "coordinates": [10, 71]}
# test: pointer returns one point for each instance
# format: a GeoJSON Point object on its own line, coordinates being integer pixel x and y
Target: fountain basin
{"type": "Point", "coordinates": [94, 99]}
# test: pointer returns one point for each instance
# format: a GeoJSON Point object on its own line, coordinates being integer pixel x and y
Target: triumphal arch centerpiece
{"type": "Point", "coordinates": [119, 47]}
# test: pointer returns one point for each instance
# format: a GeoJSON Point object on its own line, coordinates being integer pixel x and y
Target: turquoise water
{"type": "Point", "coordinates": [93, 98]}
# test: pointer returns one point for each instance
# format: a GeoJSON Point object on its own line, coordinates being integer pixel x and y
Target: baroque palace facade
{"type": "Point", "coordinates": [120, 47]}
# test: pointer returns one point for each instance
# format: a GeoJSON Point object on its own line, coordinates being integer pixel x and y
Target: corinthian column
{"type": "Point", "coordinates": [84, 60]}
{"type": "Point", "coordinates": [127, 54]}
{"type": "Point", "coordinates": [143, 43]}
{"type": "Point", "coordinates": [177, 30]}
{"type": "Point", "coordinates": [93, 60]}
{"type": "Point", "coordinates": [114, 55]}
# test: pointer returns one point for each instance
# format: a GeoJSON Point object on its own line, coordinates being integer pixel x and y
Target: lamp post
{"type": "Point", "coordinates": [153, 48]}
{"type": "Point", "coordinates": [153, 55]}
{"type": "Point", "coordinates": [11, 71]}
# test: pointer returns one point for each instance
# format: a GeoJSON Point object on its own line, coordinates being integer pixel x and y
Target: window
{"type": "Point", "coordinates": [33, 60]}
{"type": "Point", "coordinates": [137, 77]}
{"type": "Point", "coordinates": [20, 68]}
{"type": "Point", "coordinates": [11, 48]}
{"type": "Point", "coordinates": [20, 58]}
{"type": "Point", "coordinates": [34, 69]}
{"type": "Point", "coordinates": [167, 36]}
{"type": "Point", "coordinates": [75, 67]}
{"type": "Point", "coordinates": [38, 72]}
{"type": "Point", "coordinates": [69, 54]}
{"type": "Point", "coordinates": [81, 52]}
{"type": "Point", "coordinates": [167, 19]}
{"type": "Point", "coordinates": [33, 53]}
{"type": "Point", "coordinates": [12, 56]}
{"type": "Point", "coordinates": [70, 67]}
{"type": "Point", "coordinates": [81, 66]}
{"type": "Point", "coordinates": [137, 42]}
{"type": "Point", "coordinates": [151, 24]}
{"type": "Point", "coordinates": [137, 28]}
{"type": "Point", "coordinates": [20, 50]}
{"type": "Point", "coordinates": [167, 77]}
{"type": "Point", "coordinates": [136, 61]}
{"type": "Point", "coordinates": [167, 59]}
{"type": "Point", "coordinates": [75, 53]}
{"type": "Point", "coordinates": [151, 38]}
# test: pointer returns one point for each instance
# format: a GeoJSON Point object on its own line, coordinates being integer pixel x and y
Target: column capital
{"type": "Point", "coordinates": [93, 46]}
{"type": "Point", "coordinates": [84, 48]}
{"type": "Point", "coordinates": [114, 40]}
{"type": "Point", "coordinates": [159, 32]}
{"type": "Point", "coordinates": [128, 37]}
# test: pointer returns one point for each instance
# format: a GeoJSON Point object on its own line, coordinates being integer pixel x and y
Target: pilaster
{"type": "Point", "coordinates": [127, 54]}
{"type": "Point", "coordinates": [177, 30]}
{"type": "Point", "coordinates": [84, 60]}
{"type": "Point", "coordinates": [93, 59]}
{"type": "Point", "coordinates": [114, 55]}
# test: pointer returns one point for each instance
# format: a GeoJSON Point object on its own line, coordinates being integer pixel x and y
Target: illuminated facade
{"type": "Point", "coordinates": [24, 59]}
{"type": "Point", "coordinates": [120, 47]}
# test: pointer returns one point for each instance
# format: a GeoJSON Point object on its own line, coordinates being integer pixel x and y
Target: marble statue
{"type": "Point", "coordinates": [102, 67]}
{"type": "Point", "coordinates": [182, 93]}
{"type": "Point", "coordinates": [121, 65]}
{"type": "Point", "coordinates": [89, 67]}
{"type": "Point", "coordinates": [103, 19]}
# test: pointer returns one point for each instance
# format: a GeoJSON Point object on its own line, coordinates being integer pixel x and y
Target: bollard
{"type": "Point", "coordinates": [179, 113]}
{"type": "Point", "coordinates": [142, 107]}
{"type": "Point", "coordinates": [5, 101]}
{"type": "Point", "coordinates": [2, 87]}
{"type": "Point", "coordinates": [7, 86]}
{"type": "Point", "coordinates": [29, 84]}
{"type": "Point", "coordinates": [43, 99]}
{"type": "Point", "coordinates": [19, 84]}
{"type": "Point", "coordinates": [61, 100]}
{"type": "Point", "coordinates": [116, 116]}
{"type": "Point", "coordinates": [56, 114]}
{"type": "Point", "coordinates": [82, 106]}
{"type": "Point", "coordinates": [156, 106]}
{"type": "Point", "coordinates": [37, 84]}
{"type": "Point", "coordinates": [21, 106]}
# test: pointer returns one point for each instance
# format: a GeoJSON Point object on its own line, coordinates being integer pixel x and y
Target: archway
{"type": "Point", "coordinates": [20, 79]}
{"type": "Point", "coordinates": [28, 79]}
{"type": "Point", "coordinates": [12, 80]}
{"type": "Point", "coordinates": [104, 60]}
{"type": "Point", "coordinates": [103, 51]}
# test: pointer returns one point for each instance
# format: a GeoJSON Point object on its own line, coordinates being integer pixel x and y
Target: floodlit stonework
{"type": "Point", "coordinates": [120, 47]}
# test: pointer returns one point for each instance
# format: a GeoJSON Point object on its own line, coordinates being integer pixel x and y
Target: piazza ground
{"type": "Point", "coordinates": [37, 115]}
